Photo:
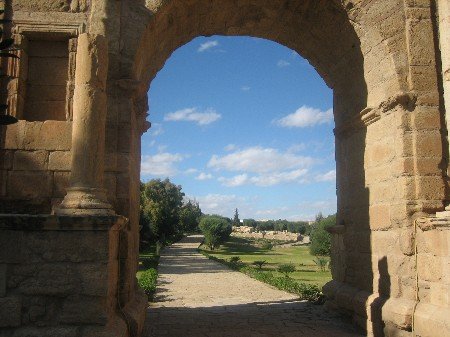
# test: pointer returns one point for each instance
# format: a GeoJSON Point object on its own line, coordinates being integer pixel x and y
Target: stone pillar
{"type": "Point", "coordinates": [85, 194]}
{"type": "Point", "coordinates": [444, 41]}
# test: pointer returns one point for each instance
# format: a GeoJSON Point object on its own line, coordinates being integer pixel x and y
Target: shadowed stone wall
{"type": "Point", "coordinates": [60, 276]}
{"type": "Point", "coordinates": [387, 63]}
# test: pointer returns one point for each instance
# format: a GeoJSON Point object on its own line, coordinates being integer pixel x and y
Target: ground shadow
{"type": "Point", "coordinates": [279, 318]}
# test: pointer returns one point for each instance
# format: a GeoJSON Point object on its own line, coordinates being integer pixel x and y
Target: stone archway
{"type": "Point", "coordinates": [382, 61]}
{"type": "Point", "coordinates": [373, 105]}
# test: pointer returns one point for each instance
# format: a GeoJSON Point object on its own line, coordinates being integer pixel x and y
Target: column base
{"type": "Point", "coordinates": [85, 201]}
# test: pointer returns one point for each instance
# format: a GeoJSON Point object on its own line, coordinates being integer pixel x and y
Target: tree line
{"type": "Point", "coordinates": [320, 238]}
{"type": "Point", "coordinates": [165, 216]}
{"type": "Point", "coordinates": [302, 227]}
{"type": "Point", "coordinates": [164, 213]}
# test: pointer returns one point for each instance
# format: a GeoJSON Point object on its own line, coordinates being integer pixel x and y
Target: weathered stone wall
{"type": "Point", "coordinates": [35, 170]}
{"type": "Point", "coordinates": [387, 64]}
{"type": "Point", "coordinates": [35, 166]}
{"type": "Point", "coordinates": [433, 277]}
{"type": "Point", "coordinates": [35, 153]}
{"type": "Point", "coordinates": [402, 178]}
{"type": "Point", "coordinates": [60, 277]}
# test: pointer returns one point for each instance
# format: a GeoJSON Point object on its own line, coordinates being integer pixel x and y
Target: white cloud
{"type": "Point", "coordinates": [280, 177]}
{"type": "Point", "coordinates": [156, 130]}
{"type": "Point", "coordinates": [194, 115]}
{"type": "Point", "coordinates": [204, 176]}
{"type": "Point", "coordinates": [148, 143]}
{"type": "Point", "coordinates": [161, 164]}
{"type": "Point", "coordinates": [306, 116]}
{"type": "Point", "coordinates": [272, 211]}
{"type": "Point", "coordinates": [220, 204]}
{"type": "Point", "coordinates": [191, 171]}
{"type": "Point", "coordinates": [259, 160]}
{"type": "Point", "coordinates": [207, 45]}
{"type": "Point", "coordinates": [162, 148]}
{"type": "Point", "coordinates": [297, 147]}
{"type": "Point", "coordinates": [264, 180]}
{"type": "Point", "coordinates": [230, 147]}
{"type": "Point", "coordinates": [329, 176]}
{"type": "Point", "coordinates": [245, 88]}
{"type": "Point", "coordinates": [309, 209]}
{"type": "Point", "coordinates": [235, 181]}
{"type": "Point", "coordinates": [283, 63]}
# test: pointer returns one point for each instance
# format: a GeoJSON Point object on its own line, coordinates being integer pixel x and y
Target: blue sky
{"type": "Point", "coordinates": [242, 122]}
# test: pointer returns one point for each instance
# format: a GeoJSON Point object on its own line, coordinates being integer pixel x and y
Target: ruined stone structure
{"type": "Point", "coordinates": [69, 170]}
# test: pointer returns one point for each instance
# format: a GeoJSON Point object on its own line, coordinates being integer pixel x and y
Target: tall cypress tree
{"type": "Point", "coordinates": [236, 221]}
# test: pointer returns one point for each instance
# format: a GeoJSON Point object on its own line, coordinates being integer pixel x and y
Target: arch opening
{"type": "Point", "coordinates": [321, 33]}
{"type": "Point", "coordinates": [242, 100]}
{"type": "Point", "coordinates": [348, 56]}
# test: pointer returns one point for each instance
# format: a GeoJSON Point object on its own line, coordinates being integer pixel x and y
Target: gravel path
{"type": "Point", "coordinates": [200, 297]}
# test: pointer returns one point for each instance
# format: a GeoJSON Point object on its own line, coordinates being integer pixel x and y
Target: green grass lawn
{"type": "Point", "coordinates": [248, 251]}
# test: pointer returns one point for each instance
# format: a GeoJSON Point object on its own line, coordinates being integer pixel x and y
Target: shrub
{"type": "Point", "coordinates": [215, 229]}
{"type": "Point", "coordinates": [259, 263]}
{"type": "Point", "coordinates": [308, 292]}
{"type": "Point", "coordinates": [286, 269]}
{"type": "Point", "coordinates": [267, 246]}
{"type": "Point", "coordinates": [235, 259]}
{"type": "Point", "coordinates": [149, 262]}
{"type": "Point", "coordinates": [321, 262]}
{"type": "Point", "coordinates": [147, 281]}
{"type": "Point", "coordinates": [235, 262]}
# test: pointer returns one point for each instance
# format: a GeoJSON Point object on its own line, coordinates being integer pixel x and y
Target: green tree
{"type": "Point", "coordinates": [320, 238]}
{"type": "Point", "coordinates": [265, 225]}
{"type": "Point", "coordinates": [190, 214]}
{"type": "Point", "coordinates": [216, 230]}
{"type": "Point", "coordinates": [161, 202]}
{"type": "Point", "coordinates": [319, 217]}
{"type": "Point", "coordinates": [236, 221]}
{"type": "Point", "coordinates": [280, 225]}
{"type": "Point", "coordinates": [250, 222]}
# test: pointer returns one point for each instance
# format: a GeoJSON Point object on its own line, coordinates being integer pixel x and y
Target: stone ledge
{"type": "Point", "coordinates": [26, 222]}
{"type": "Point", "coordinates": [370, 115]}
{"type": "Point", "coordinates": [336, 229]}
{"type": "Point", "coordinates": [430, 223]}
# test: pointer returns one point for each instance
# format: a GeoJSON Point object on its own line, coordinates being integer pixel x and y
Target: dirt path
{"type": "Point", "coordinates": [199, 297]}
